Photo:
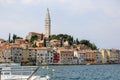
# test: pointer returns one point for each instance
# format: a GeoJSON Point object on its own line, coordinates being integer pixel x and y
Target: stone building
{"type": "Point", "coordinates": [47, 24]}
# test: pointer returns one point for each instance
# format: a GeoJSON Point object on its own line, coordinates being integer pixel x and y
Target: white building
{"type": "Point", "coordinates": [32, 55]}
{"type": "Point", "coordinates": [114, 55]}
{"type": "Point", "coordinates": [16, 54]}
{"type": "Point", "coordinates": [119, 56]}
{"type": "Point", "coordinates": [66, 56]}
{"type": "Point", "coordinates": [98, 57]}
{"type": "Point", "coordinates": [5, 54]}
{"type": "Point", "coordinates": [104, 55]}
{"type": "Point", "coordinates": [44, 56]}
{"type": "Point", "coordinates": [81, 57]}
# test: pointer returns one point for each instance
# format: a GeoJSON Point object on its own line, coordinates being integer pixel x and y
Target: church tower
{"type": "Point", "coordinates": [47, 24]}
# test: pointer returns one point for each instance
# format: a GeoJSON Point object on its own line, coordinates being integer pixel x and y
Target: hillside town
{"type": "Point", "coordinates": [46, 49]}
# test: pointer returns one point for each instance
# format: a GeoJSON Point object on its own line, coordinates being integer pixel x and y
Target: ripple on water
{"type": "Point", "coordinates": [83, 72]}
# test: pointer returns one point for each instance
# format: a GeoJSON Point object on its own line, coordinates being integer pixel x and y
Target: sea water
{"type": "Point", "coordinates": [81, 72]}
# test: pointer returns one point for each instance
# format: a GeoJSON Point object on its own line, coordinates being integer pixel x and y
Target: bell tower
{"type": "Point", "coordinates": [47, 24]}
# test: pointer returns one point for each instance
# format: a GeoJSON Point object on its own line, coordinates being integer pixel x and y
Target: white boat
{"type": "Point", "coordinates": [6, 74]}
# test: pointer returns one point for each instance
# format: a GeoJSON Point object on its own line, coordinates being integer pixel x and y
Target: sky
{"type": "Point", "coordinates": [94, 20]}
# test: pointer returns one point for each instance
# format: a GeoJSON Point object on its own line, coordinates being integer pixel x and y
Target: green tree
{"type": "Point", "coordinates": [89, 44]}
{"type": "Point", "coordinates": [71, 41]}
{"type": "Point", "coordinates": [61, 43]}
{"type": "Point", "coordinates": [9, 38]}
{"type": "Point", "coordinates": [62, 38]}
{"type": "Point", "coordinates": [44, 42]}
{"type": "Point", "coordinates": [53, 37]}
{"type": "Point", "coordinates": [93, 46]}
{"type": "Point", "coordinates": [77, 41]}
{"type": "Point", "coordinates": [86, 42]}
{"type": "Point", "coordinates": [33, 38]}
{"type": "Point", "coordinates": [14, 37]}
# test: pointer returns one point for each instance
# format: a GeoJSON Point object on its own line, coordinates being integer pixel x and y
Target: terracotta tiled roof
{"type": "Point", "coordinates": [16, 47]}
{"type": "Point", "coordinates": [5, 46]}
{"type": "Point", "coordinates": [31, 48]}
{"type": "Point", "coordinates": [41, 48]}
{"type": "Point", "coordinates": [35, 33]}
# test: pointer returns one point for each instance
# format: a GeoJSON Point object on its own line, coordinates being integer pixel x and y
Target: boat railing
{"type": "Point", "coordinates": [8, 72]}
{"type": "Point", "coordinates": [33, 73]}
{"type": "Point", "coordinates": [23, 73]}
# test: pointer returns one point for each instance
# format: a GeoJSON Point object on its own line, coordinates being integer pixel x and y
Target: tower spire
{"type": "Point", "coordinates": [47, 24]}
{"type": "Point", "coordinates": [47, 15]}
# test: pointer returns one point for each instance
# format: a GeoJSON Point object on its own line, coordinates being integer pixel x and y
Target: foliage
{"type": "Point", "coordinates": [44, 42]}
{"type": "Point", "coordinates": [62, 38]}
{"type": "Point", "coordinates": [89, 44]}
{"type": "Point", "coordinates": [33, 38]}
{"type": "Point", "coordinates": [34, 45]}
{"type": "Point", "coordinates": [9, 38]}
{"type": "Point", "coordinates": [69, 38]}
{"type": "Point", "coordinates": [53, 36]}
{"type": "Point", "coordinates": [16, 37]}
{"type": "Point", "coordinates": [77, 41]}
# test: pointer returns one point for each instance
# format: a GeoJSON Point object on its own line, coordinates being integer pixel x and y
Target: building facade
{"type": "Point", "coordinates": [66, 56]}
{"type": "Point", "coordinates": [44, 56]}
{"type": "Point", "coordinates": [5, 54]}
{"type": "Point", "coordinates": [16, 54]}
{"type": "Point", "coordinates": [81, 57]}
